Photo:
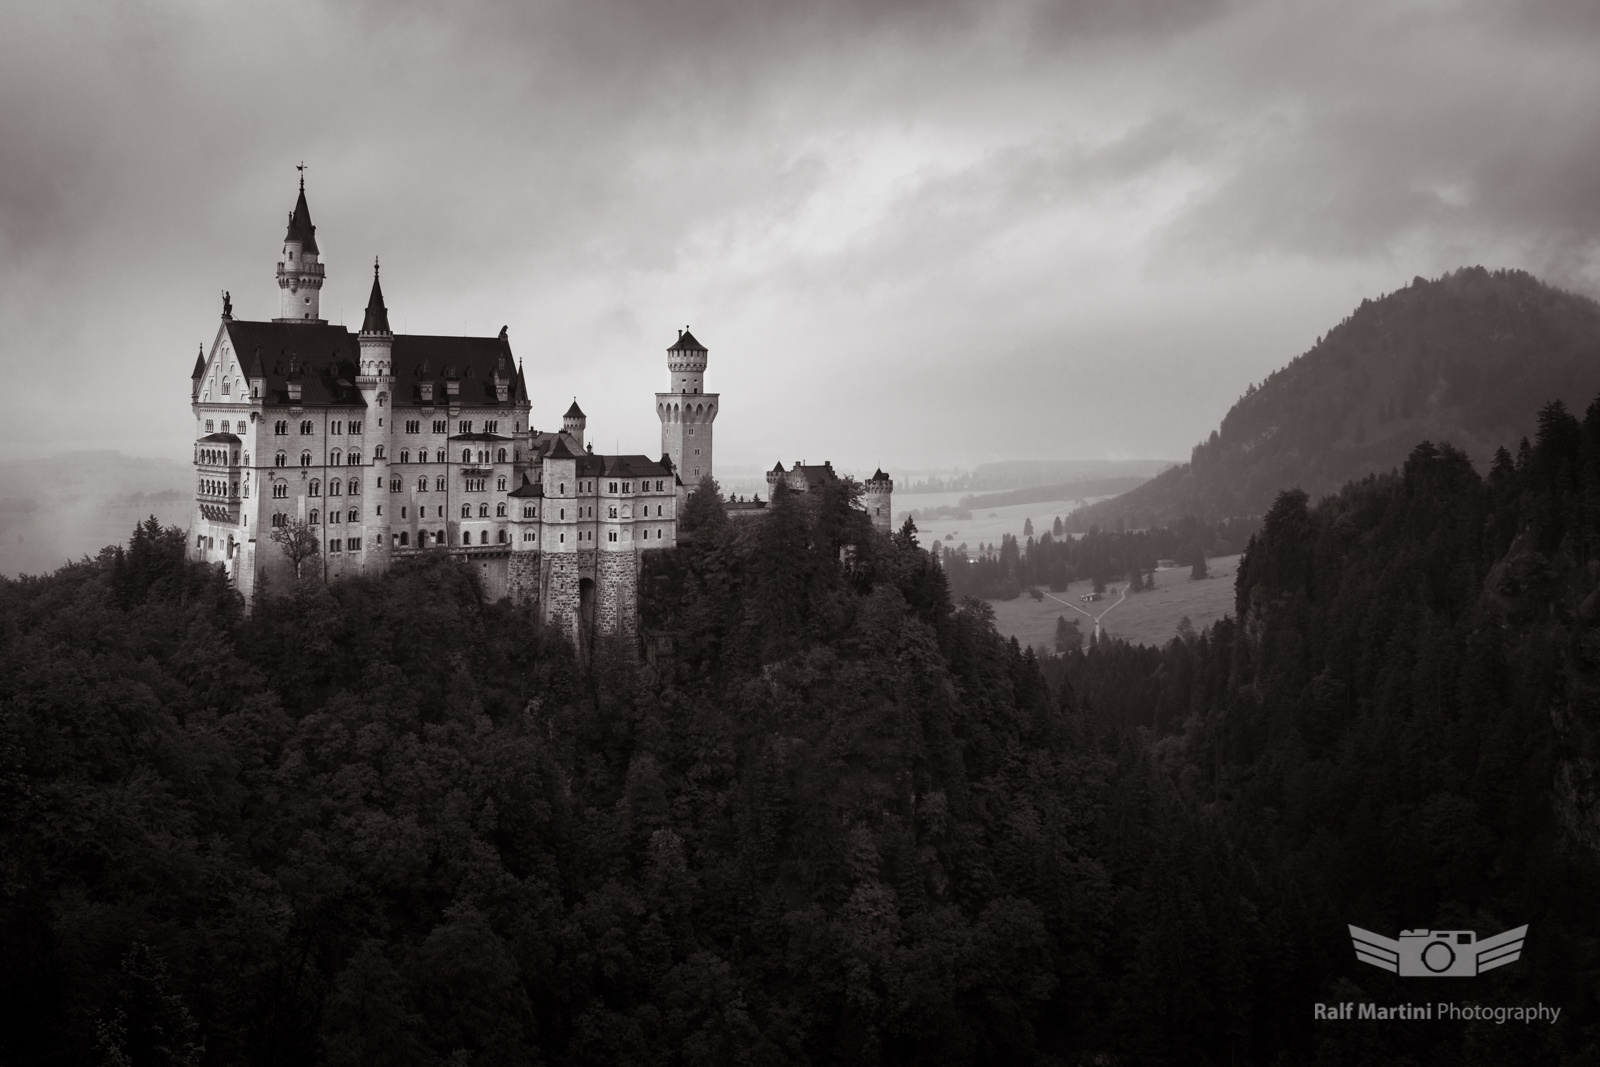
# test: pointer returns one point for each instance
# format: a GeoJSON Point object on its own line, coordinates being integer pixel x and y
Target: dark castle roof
{"type": "Point", "coordinates": [377, 320]}
{"type": "Point", "coordinates": [574, 412]}
{"type": "Point", "coordinates": [300, 228]}
{"type": "Point", "coordinates": [687, 343]}
{"type": "Point", "coordinates": [328, 357]}
{"type": "Point", "coordinates": [199, 366]}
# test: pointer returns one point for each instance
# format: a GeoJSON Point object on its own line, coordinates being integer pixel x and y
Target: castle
{"type": "Point", "coordinates": [375, 446]}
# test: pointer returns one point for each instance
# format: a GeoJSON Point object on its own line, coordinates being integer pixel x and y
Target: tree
{"type": "Point", "coordinates": [1056, 528]}
{"type": "Point", "coordinates": [298, 539]}
{"type": "Point", "coordinates": [1069, 635]}
{"type": "Point", "coordinates": [1199, 568]}
{"type": "Point", "coordinates": [1027, 527]}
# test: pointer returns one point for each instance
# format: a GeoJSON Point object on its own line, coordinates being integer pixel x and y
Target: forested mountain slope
{"type": "Point", "coordinates": [384, 822]}
{"type": "Point", "coordinates": [1464, 359]}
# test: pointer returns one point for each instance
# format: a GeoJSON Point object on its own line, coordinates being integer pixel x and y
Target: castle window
{"type": "Point", "coordinates": [394, 485]}
{"type": "Point", "coordinates": [405, 455]}
{"type": "Point", "coordinates": [377, 452]}
{"type": "Point", "coordinates": [464, 426]}
{"type": "Point", "coordinates": [492, 426]}
{"type": "Point", "coordinates": [438, 426]}
{"type": "Point", "coordinates": [353, 487]}
{"type": "Point", "coordinates": [305, 459]}
{"type": "Point", "coordinates": [354, 516]}
{"type": "Point", "coordinates": [500, 510]}
{"type": "Point", "coordinates": [335, 487]}
{"type": "Point", "coordinates": [647, 535]}
{"type": "Point", "coordinates": [315, 489]}
{"type": "Point", "coordinates": [697, 451]}
{"type": "Point", "coordinates": [247, 462]}
{"type": "Point", "coordinates": [404, 538]}
{"type": "Point", "coordinates": [413, 426]}
{"type": "Point", "coordinates": [500, 537]}
{"type": "Point", "coordinates": [500, 483]}
{"type": "Point", "coordinates": [280, 460]}
{"type": "Point", "coordinates": [691, 431]}
{"type": "Point", "coordinates": [335, 545]}
{"type": "Point", "coordinates": [612, 513]}
{"type": "Point", "coordinates": [501, 456]}
{"type": "Point", "coordinates": [354, 459]}
{"type": "Point", "coordinates": [402, 513]}
{"type": "Point", "coordinates": [562, 538]}
{"type": "Point", "coordinates": [438, 458]}
{"type": "Point", "coordinates": [334, 515]}
{"type": "Point", "coordinates": [334, 457]}
{"type": "Point", "coordinates": [422, 484]}
{"type": "Point", "coordinates": [563, 491]}
{"type": "Point", "coordinates": [658, 533]}
{"type": "Point", "coordinates": [336, 427]}
{"type": "Point", "coordinates": [315, 517]}
{"type": "Point", "coordinates": [483, 511]}
{"type": "Point", "coordinates": [280, 427]}
{"type": "Point", "coordinates": [466, 511]}
{"type": "Point", "coordinates": [438, 483]}
{"type": "Point", "coordinates": [527, 511]}
{"type": "Point", "coordinates": [563, 513]}
{"type": "Point", "coordinates": [611, 535]}
{"type": "Point", "coordinates": [307, 428]}
{"type": "Point", "coordinates": [613, 488]}
{"type": "Point", "coordinates": [225, 387]}
{"type": "Point", "coordinates": [355, 426]}
{"type": "Point", "coordinates": [353, 544]}
{"type": "Point", "coordinates": [627, 487]}
{"type": "Point", "coordinates": [208, 426]}
{"type": "Point", "coordinates": [483, 538]}
{"type": "Point", "coordinates": [466, 455]}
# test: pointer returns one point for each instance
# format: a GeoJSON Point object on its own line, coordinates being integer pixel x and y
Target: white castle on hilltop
{"type": "Point", "coordinates": [386, 446]}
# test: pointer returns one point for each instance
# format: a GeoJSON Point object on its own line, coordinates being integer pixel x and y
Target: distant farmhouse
{"type": "Point", "coordinates": [375, 446]}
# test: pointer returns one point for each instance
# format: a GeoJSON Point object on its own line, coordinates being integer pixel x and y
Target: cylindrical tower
{"type": "Point", "coordinates": [375, 379]}
{"type": "Point", "coordinates": [877, 497]}
{"type": "Point", "coordinates": [300, 275]}
{"type": "Point", "coordinates": [687, 411]}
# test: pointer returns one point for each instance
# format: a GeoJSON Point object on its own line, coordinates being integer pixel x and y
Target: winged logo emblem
{"type": "Point", "coordinates": [1438, 953]}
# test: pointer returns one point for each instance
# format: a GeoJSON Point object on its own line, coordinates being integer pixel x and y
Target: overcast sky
{"type": "Point", "coordinates": [910, 233]}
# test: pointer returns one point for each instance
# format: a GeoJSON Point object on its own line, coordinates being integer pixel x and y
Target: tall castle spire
{"type": "Point", "coordinates": [686, 411]}
{"type": "Point", "coordinates": [300, 276]}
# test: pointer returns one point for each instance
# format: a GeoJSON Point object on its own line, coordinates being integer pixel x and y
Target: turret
{"type": "Point", "coordinates": [573, 422]}
{"type": "Point", "coordinates": [375, 379]}
{"type": "Point", "coordinates": [687, 411]}
{"type": "Point", "coordinates": [199, 373]}
{"type": "Point", "coordinates": [876, 496]}
{"type": "Point", "coordinates": [300, 275]}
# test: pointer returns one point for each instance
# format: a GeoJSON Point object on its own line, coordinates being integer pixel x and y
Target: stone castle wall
{"type": "Point", "coordinates": [522, 577]}
{"type": "Point", "coordinates": [617, 591]}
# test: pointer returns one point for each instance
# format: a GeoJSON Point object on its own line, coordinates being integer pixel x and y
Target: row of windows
{"type": "Point", "coordinates": [307, 427]}
{"type": "Point", "coordinates": [353, 515]}
{"type": "Point", "coordinates": [215, 487]}
{"type": "Point", "coordinates": [483, 511]}
{"type": "Point", "coordinates": [335, 458]}
{"type": "Point", "coordinates": [439, 456]}
{"type": "Point", "coordinates": [225, 426]}
{"type": "Point", "coordinates": [348, 544]}
{"type": "Point", "coordinates": [216, 456]}
{"type": "Point", "coordinates": [462, 426]}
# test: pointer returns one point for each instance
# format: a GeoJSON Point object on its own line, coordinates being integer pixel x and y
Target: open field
{"type": "Point", "coordinates": [986, 524]}
{"type": "Point", "coordinates": [1149, 618]}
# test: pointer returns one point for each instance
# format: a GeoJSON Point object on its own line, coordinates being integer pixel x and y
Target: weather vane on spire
{"type": "Point", "coordinates": [301, 167]}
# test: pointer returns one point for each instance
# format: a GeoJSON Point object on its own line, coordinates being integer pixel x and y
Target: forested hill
{"type": "Point", "coordinates": [1466, 359]}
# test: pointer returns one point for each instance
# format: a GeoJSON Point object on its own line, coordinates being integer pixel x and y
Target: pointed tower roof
{"type": "Point", "coordinates": [300, 228]}
{"type": "Point", "coordinates": [687, 343]}
{"type": "Point", "coordinates": [520, 395]}
{"type": "Point", "coordinates": [377, 320]}
{"type": "Point", "coordinates": [199, 365]}
{"type": "Point", "coordinates": [574, 412]}
{"type": "Point", "coordinates": [559, 451]}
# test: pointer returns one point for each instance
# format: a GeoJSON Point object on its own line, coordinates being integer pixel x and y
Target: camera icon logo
{"type": "Point", "coordinates": [1438, 953]}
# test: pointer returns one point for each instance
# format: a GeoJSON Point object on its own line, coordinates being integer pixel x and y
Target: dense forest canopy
{"type": "Point", "coordinates": [843, 822]}
{"type": "Point", "coordinates": [1462, 359]}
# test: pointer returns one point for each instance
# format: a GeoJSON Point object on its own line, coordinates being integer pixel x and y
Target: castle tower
{"type": "Point", "coordinates": [574, 421]}
{"type": "Point", "coordinates": [875, 496]}
{"type": "Point", "coordinates": [687, 412]}
{"type": "Point", "coordinates": [375, 379]}
{"type": "Point", "coordinates": [300, 276]}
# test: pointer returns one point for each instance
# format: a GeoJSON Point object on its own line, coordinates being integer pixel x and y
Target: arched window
{"type": "Point", "coordinates": [315, 517]}
{"type": "Point", "coordinates": [501, 537]}
{"type": "Point", "coordinates": [500, 510]}
{"type": "Point", "coordinates": [353, 487]}
{"type": "Point", "coordinates": [377, 452]}
{"type": "Point", "coordinates": [612, 513]}
{"type": "Point", "coordinates": [335, 487]}
{"type": "Point", "coordinates": [405, 455]}
{"type": "Point", "coordinates": [500, 483]}
{"type": "Point", "coordinates": [439, 483]}
{"type": "Point", "coordinates": [247, 459]}
{"type": "Point", "coordinates": [315, 489]}
{"type": "Point", "coordinates": [466, 537]}
{"type": "Point", "coordinates": [439, 458]}
{"type": "Point", "coordinates": [483, 538]}
{"type": "Point", "coordinates": [280, 427]}
{"type": "Point", "coordinates": [280, 460]}
{"type": "Point", "coordinates": [466, 511]}
{"type": "Point", "coordinates": [306, 429]}
{"type": "Point", "coordinates": [354, 516]}
{"type": "Point", "coordinates": [354, 459]}
{"type": "Point", "coordinates": [333, 458]}
{"type": "Point", "coordinates": [502, 455]}
{"type": "Point", "coordinates": [483, 511]}
{"type": "Point", "coordinates": [466, 455]}
{"type": "Point", "coordinates": [280, 519]}
{"type": "Point", "coordinates": [404, 538]}
{"type": "Point", "coordinates": [422, 484]}
{"type": "Point", "coordinates": [305, 459]}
